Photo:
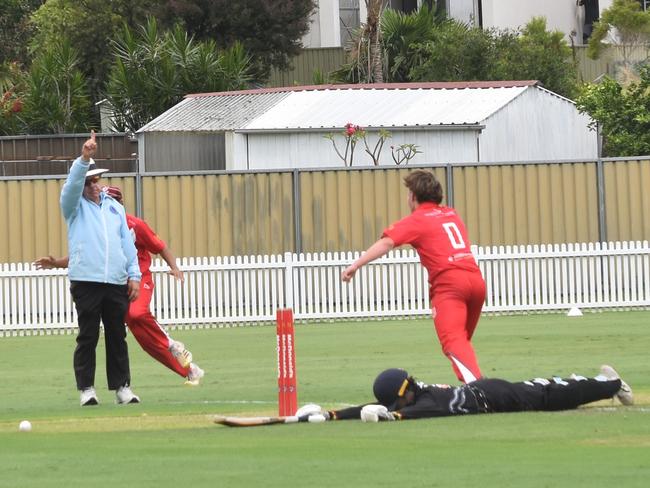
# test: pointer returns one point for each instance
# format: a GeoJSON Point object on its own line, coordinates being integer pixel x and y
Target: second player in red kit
{"type": "Point", "coordinates": [151, 336]}
{"type": "Point", "coordinates": [456, 287]}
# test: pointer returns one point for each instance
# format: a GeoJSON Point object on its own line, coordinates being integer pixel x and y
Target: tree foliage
{"type": "Point", "coordinates": [537, 54]}
{"type": "Point", "coordinates": [50, 98]}
{"type": "Point", "coordinates": [153, 71]}
{"type": "Point", "coordinates": [457, 52]}
{"type": "Point", "coordinates": [371, 33]}
{"type": "Point", "coordinates": [623, 114]}
{"type": "Point", "coordinates": [270, 30]}
{"type": "Point", "coordinates": [56, 93]}
{"type": "Point", "coordinates": [454, 52]}
{"type": "Point", "coordinates": [398, 32]}
{"type": "Point", "coordinates": [89, 26]}
{"type": "Point", "coordinates": [624, 26]}
{"type": "Point", "coordinates": [423, 46]}
{"type": "Point", "coordinates": [15, 30]}
{"type": "Point", "coordinates": [11, 100]}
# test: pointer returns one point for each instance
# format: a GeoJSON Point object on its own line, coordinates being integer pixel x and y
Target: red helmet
{"type": "Point", "coordinates": [113, 192]}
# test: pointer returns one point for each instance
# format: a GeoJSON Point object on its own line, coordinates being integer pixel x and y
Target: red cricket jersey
{"type": "Point", "coordinates": [438, 235]}
{"type": "Point", "coordinates": [146, 242]}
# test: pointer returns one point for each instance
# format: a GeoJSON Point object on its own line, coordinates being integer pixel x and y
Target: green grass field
{"type": "Point", "coordinates": [169, 440]}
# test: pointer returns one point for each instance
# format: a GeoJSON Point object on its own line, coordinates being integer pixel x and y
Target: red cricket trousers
{"type": "Point", "coordinates": [457, 300]}
{"type": "Point", "coordinates": [148, 332]}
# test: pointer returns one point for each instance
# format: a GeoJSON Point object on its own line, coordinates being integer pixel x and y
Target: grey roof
{"type": "Point", "coordinates": [213, 113]}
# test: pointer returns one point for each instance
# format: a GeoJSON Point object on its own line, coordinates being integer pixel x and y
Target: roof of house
{"type": "Point", "coordinates": [326, 107]}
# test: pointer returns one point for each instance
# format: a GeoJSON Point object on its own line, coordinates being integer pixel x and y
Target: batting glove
{"type": "Point", "coordinates": [309, 409]}
{"type": "Point", "coordinates": [375, 413]}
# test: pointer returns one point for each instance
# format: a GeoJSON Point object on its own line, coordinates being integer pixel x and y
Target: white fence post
{"type": "Point", "coordinates": [288, 283]}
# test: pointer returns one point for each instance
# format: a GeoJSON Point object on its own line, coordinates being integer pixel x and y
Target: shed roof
{"type": "Point", "coordinates": [214, 113]}
{"type": "Point", "coordinates": [389, 105]}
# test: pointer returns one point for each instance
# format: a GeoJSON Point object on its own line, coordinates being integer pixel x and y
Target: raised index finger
{"type": "Point", "coordinates": [92, 135]}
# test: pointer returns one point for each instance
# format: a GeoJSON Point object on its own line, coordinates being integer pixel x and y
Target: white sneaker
{"type": "Point", "coordinates": [88, 397]}
{"type": "Point", "coordinates": [124, 395]}
{"type": "Point", "coordinates": [195, 375]}
{"type": "Point", "coordinates": [624, 395]}
{"type": "Point", "coordinates": [182, 355]}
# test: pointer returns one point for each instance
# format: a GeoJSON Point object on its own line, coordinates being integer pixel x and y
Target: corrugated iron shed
{"type": "Point", "coordinates": [332, 106]}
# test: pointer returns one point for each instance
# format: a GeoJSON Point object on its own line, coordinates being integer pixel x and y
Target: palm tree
{"type": "Point", "coordinates": [399, 32]}
{"type": "Point", "coordinates": [372, 33]}
{"type": "Point", "coordinates": [380, 50]}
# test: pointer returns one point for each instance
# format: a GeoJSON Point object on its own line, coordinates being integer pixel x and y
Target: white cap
{"type": "Point", "coordinates": [93, 170]}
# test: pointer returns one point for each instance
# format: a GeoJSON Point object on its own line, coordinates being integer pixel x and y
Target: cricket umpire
{"type": "Point", "coordinates": [104, 275]}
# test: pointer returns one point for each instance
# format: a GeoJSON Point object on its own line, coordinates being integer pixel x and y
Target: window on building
{"type": "Point", "coordinates": [406, 6]}
{"type": "Point", "coordinates": [466, 11]}
{"type": "Point", "coordinates": [349, 18]}
{"type": "Point", "coordinates": [592, 14]}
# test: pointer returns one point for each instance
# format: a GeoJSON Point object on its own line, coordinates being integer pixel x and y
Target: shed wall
{"type": "Point", "coordinates": [523, 131]}
{"type": "Point", "coordinates": [313, 150]}
{"type": "Point", "coordinates": [182, 151]}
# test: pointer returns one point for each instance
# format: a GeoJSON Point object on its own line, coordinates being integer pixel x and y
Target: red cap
{"type": "Point", "coordinates": [113, 192]}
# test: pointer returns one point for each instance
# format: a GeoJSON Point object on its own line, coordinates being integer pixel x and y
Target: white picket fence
{"type": "Point", "coordinates": [249, 289]}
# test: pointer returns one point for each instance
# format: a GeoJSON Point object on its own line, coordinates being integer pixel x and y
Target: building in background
{"type": "Point", "coordinates": [573, 17]}
{"type": "Point", "coordinates": [285, 128]}
{"type": "Point", "coordinates": [335, 19]}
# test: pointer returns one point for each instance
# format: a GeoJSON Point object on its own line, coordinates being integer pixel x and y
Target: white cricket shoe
{"type": "Point", "coordinates": [195, 375]}
{"type": "Point", "coordinates": [624, 395]}
{"type": "Point", "coordinates": [124, 395]}
{"type": "Point", "coordinates": [182, 355]}
{"type": "Point", "coordinates": [88, 396]}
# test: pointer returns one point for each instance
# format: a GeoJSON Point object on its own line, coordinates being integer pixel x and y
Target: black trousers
{"type": "Point", "coordinates": [540, 394]}
{"type": "Point", "coordinates": [108, 303]}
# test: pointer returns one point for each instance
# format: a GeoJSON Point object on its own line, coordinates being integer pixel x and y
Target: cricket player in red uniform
{"type": "Point", "coordinates": [151, 336]}
{"type": "Point", "coordinates": [456, 287]}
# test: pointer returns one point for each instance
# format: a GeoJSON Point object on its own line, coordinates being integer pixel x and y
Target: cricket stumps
{"type": "Point", "coordinates": [287, 384]}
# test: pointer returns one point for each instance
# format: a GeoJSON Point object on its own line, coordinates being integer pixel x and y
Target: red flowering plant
{"type": "Point", "coordinates": [351, 135]}
{"type": "Point", "coordinates": [11, 102]}
{"type": "Point", "coordinates": [10, 106]}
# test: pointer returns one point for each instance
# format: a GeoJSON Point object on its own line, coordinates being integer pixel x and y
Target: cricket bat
{"type": "Point", "coordinates": [257, 421]}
